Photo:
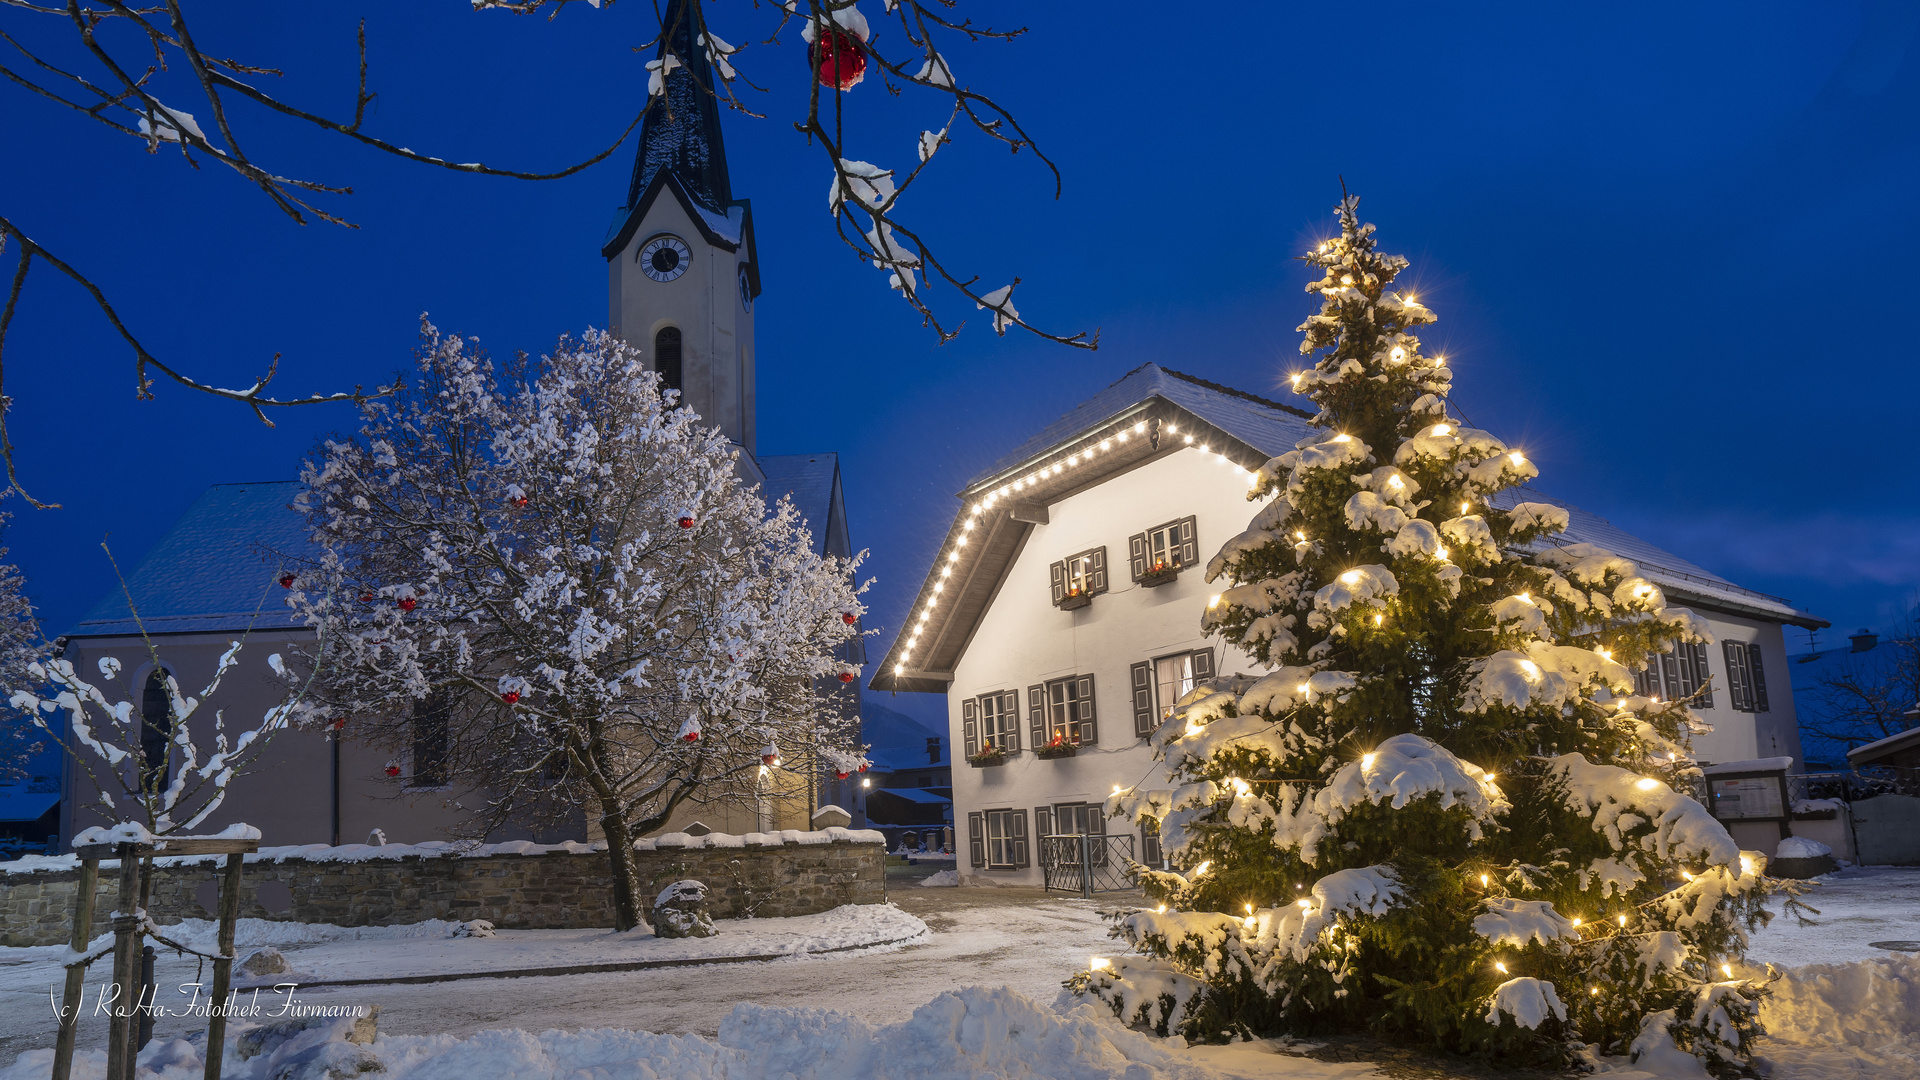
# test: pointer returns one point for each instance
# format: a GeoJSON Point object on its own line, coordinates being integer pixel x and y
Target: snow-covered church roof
{"type": "Point", "coordinates": [1238, 427]}
{"type": "Point", "coordinates": [215, 571]}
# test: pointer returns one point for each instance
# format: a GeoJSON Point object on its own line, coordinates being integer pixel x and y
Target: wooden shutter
{"type": "Point", "coordinates": [1097, 570]}
{"type": "Point", "coordinates": [1757, 679]}
{"type": "Point", "coordinates": [1144, 717]}
{"type": "Point", "coordinates": [1670, 667]}
{"type": "Point", "coordinates": [976, 840]}
{"type": "Point", "coordinates": [1202, 665]}
{"type": "Point", "coordinates": [970, 725]}
{"type": "Point", "coordinates": [1137, 555]}
{"type": "Point", "coordinates": [1042, 822]}
{"type": "Point", "coordinates": [1059, 573]}
{"type": "Point", "coordinates": [1017, 839]}
{"type": "Point", "coordinates": [1089, 730]}
{"type": "Point", "coordinates": [1689, 682]}
{"type": "Point", "coordinates": [1037, 715]}
{"type": "Point", "coordinates": [1010, 711]}
{"type": "Point", "coordinates": [1702, 672]}
{"type": "Point", "coordinates": [1736, 677]}
{"type": "Point", "coordinates": [1187, 547]}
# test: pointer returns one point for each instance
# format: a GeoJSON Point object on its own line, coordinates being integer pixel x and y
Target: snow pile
{"type": "Point", "coordinates": [944, 877]}
{"type": "Point", "coordinates": [1799, 847]}
{"type": "Point", "coordinates": [971, 1034]}
{"type": "Point", "coordinates": [1528, 1001]}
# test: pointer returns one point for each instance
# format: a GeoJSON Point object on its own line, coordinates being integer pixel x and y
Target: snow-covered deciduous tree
{"type": "Point", "coordinates": [1440, 813]}
{"type": "Point", "coordinates": [564, 568]}
{"type": "Point", "coordinates": [21, 643]}
{"type": "Point", "coordinates": [1868, 695]}
{"type": "Point", "coordinates": [156, 775]}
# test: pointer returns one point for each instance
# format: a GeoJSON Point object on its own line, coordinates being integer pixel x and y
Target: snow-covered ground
{"type": "Point", "coordinates": [976, 998]}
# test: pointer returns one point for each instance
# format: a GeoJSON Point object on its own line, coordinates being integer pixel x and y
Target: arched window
{"type": "Point", "coordinates": [666, 356]}
{"type": "Point", "coordinates": [156, 725]}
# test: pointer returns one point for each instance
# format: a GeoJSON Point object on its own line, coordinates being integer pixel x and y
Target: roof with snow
{"type": "Point", "coordinates": [1133, 417]}
{"type": "Point", "coordinates": [920, 796]}
{"type": "Point", "coordinates": [19, 803]}
{"type": "Point", "coordinates": [215, 570]}
{"type": "Point", "coordinates": [1883, 748]}
{"type": "Point", "coordinates": [812, 481]}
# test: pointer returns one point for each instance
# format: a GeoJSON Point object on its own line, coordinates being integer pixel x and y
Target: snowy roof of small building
{"type": "Point", "coordinates": [808, 480]}
{"type": "Point", "coordinates": [902, 759]}
{"type": "Point", "coordinates": [1131, 418]}
{"type": "Point", "coordinates": [17, 803]}
{"type": "Point", "coordinates": [1879, 748]}
{"type": "Point", "coordinates": [1755, 765]}
{"type": "Point", "coordinates": [215, 570]}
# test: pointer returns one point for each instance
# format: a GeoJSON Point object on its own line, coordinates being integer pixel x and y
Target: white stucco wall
{"type": "Point", "coordinates": [1024, 639]}
{"type": "Point", "coordinates": [1743, 736]}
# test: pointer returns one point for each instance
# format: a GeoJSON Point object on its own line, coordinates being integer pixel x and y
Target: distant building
{"type": "Point", "coordinates": [909, 787]}
{"type": "Point", "coordinates": [1873, 663]}
{"type": "Point", "coordinates": [683, 275]}
{"type": "Point", "coordinates": [1070, 612]}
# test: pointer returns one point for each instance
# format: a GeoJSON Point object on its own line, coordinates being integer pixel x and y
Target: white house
{"type": "Point", "coordinates": [1070, 611]}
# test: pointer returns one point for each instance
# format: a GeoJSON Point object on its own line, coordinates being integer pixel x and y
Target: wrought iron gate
{"type": "Point", "coordinates": [1086, 863]}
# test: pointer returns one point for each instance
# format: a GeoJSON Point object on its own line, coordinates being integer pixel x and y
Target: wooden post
{"type": "Point", "coordinates": [125, 952]}
{"type": "Point", "coordinates": [223, 967]}
{"type": "Point", "coordinates": [81, 937]}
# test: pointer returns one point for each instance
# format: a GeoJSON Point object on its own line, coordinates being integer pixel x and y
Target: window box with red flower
{"type": "Point", "coordinates": [1075, 598]}
{"type": "Point", "coordinates": [988, 758]}
{"type": "Point", "coordinates": [1159, 574]}
{"type": "Point", "coordinates": [1060, 747]}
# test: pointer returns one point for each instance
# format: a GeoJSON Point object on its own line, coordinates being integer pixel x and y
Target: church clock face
{"type": "Point", "coordinates": [746, 292]}
{"type": "Point", "coordinates": [665, 258]}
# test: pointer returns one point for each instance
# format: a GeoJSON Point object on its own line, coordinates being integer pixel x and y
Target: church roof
{"type": "Point", "coordinates": [1238, 427]}
{"type": "Point", "coordinates": [681, 131]}
{"type": "Point", "coordinates": [215, 570]}
{"type": "Point", "coordinates": [809, 480]}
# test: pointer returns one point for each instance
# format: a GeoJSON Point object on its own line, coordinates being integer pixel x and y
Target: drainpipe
{"type": "Point", "coordinates": [335, 740]}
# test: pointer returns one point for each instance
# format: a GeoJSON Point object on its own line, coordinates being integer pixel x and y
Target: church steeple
{"type": "Point", "coordinates": [682, 270]}
{"type": "Point", "coordinates": [681, 131]}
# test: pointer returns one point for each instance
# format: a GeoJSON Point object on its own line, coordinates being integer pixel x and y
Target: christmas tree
{"type": "Point", "coordinates": [1441, 815]}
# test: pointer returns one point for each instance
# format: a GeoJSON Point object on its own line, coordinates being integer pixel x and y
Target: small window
{"type": "Point", "coordinates": [1163, 549]}
{"type": "Point", "coordinates": [1671, 676]}
{"type": "Point", "coordinates": [1160, 683]}
{"type": "Point", "coordinates": [1006, 839]}
{"type": "Point", "coordinates": [991, 720]}
{"type": "Point", "coordinates": [431, 738]}
{"type": "Point", "coordinates": [1746, 677]}
{"type": "Point", "coordinates": [156, 727]}
{"type": "Point", "coordinates": [666, 357]}
{"type": "Point", "coordinates": [1062, 709]}
{"type": "Point", "coordinates": [1078, 578]}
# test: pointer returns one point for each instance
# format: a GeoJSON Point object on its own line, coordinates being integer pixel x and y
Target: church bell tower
{"type": "Point", "coordinates": [681, 269]}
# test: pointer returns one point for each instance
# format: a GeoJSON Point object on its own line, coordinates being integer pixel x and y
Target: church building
{"type": "Point", "coordinates": [682, 275]}
{"type": "Point", "coordinates": [1062, 618]}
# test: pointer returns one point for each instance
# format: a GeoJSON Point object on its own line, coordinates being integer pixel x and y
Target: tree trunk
{"type": "Point", "coordinates": [626, 883]}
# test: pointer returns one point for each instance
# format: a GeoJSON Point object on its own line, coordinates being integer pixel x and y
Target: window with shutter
{"type": "Point", "coordinates": [1189, 547]}
{"type": "Point", "coordinates": [1010, 719]}
{"type": "Point", "coordinates": [1037, 715]}
{"type": "Point", "coordinates": [1042, 822]}
{"type": "Point", "coordinates": [970, 725]}
{"type": "Point", "coordinates": [1202, 665]}
{"type": "Point", "coordinates": [976, 841]}
{"type": "Point", "coordinates": [1137, 555]}
{"type": "Point", "coordinates": [1737, 692]}
{"type": "Point", "coordinates": [1646, 681]}
{"type": "Point", "coordinates": [1089, 730]}
{"type": "Point", "coordinates": [1757, 679]}
{"type": "Point", "coordinates": [1018, 819]}
{"type": "Point", "coordinates": [1144, 718]}
{"type": "Point", "coordinates": [1097, 571]}
{"type": "Point", "coordinates": [1703, 673]}
{"type": "Point", "coordinates": [1059, 573]}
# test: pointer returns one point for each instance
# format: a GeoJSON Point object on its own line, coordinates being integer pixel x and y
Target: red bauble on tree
{"type": "Point", "coordinates": [686, 523]}
{"type": "Point", "coordinates": [849, 618]}
{"type": "Point", "coordinates": [520, 500]}
{"type": "Point", "coordinates": [393, 770]}
{"type": "Point", "coordinates": [366, 598]}
{"type": "Point", "coordinates": [846, 676]}
{"type": "Point", "coordinates": [840, 776]}
{"type": "Point", "coordinates": [839, 60]}
{"type": "Point", "coordinates": [408, 603]}
{"type": "Point", "coordinates": [287, 580]}
{"type": "Point", "coordinates": [511, 697]}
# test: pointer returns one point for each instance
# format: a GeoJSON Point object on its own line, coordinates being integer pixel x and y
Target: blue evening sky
{"type": "Point", "coordinates": [1671, 247]}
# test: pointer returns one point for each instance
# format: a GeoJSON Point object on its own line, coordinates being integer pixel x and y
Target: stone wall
{"type": "Point", "coordinates": [540, 890]}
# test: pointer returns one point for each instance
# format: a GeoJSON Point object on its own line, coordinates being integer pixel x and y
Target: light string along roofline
{"type": "Point", "coordinates": [1091, 449]}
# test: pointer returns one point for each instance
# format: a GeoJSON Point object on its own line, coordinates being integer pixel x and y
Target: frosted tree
{"type": "Point", "coordinates": [563, 567]}
{"type": "Point", "coordinates": [1440, 813]}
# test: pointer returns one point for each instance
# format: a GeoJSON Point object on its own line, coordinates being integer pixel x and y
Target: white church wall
{"type": "Point", "coordinates": [1023, 639]}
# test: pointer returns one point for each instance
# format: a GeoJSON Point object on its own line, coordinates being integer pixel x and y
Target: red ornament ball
{"type": "Point", "coordinates": [366, 598]}
{"type": "Point", "coordinates": [840, 775]}
{"type": "Point", "coordinates": [511, 697]}
{"type": "Point", "coordinates": [769, 760]}
{"type": "Point", "coordinates": [340, 723]}
{"type": "Point", "coordinates": [686, 523]}
{"type": "Point", "coordinates": [863, 768]}
{"type": "Point", "coordinates": [839, 60]}
{"type": "Point", "coordinates": [520, 501]}
{"type": "Point", "coordinates": [692, 736]}
{"type": "Point", "coordinates": [408, 603]}
{"type": "Point", "coordinates": [846, 676]}
{"type": "Point", "coordinates": [849, 618]}
{"type": "Point", "coordinates": [393, 770]}
{"type": "Point", "coordinates": [287, 580]}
